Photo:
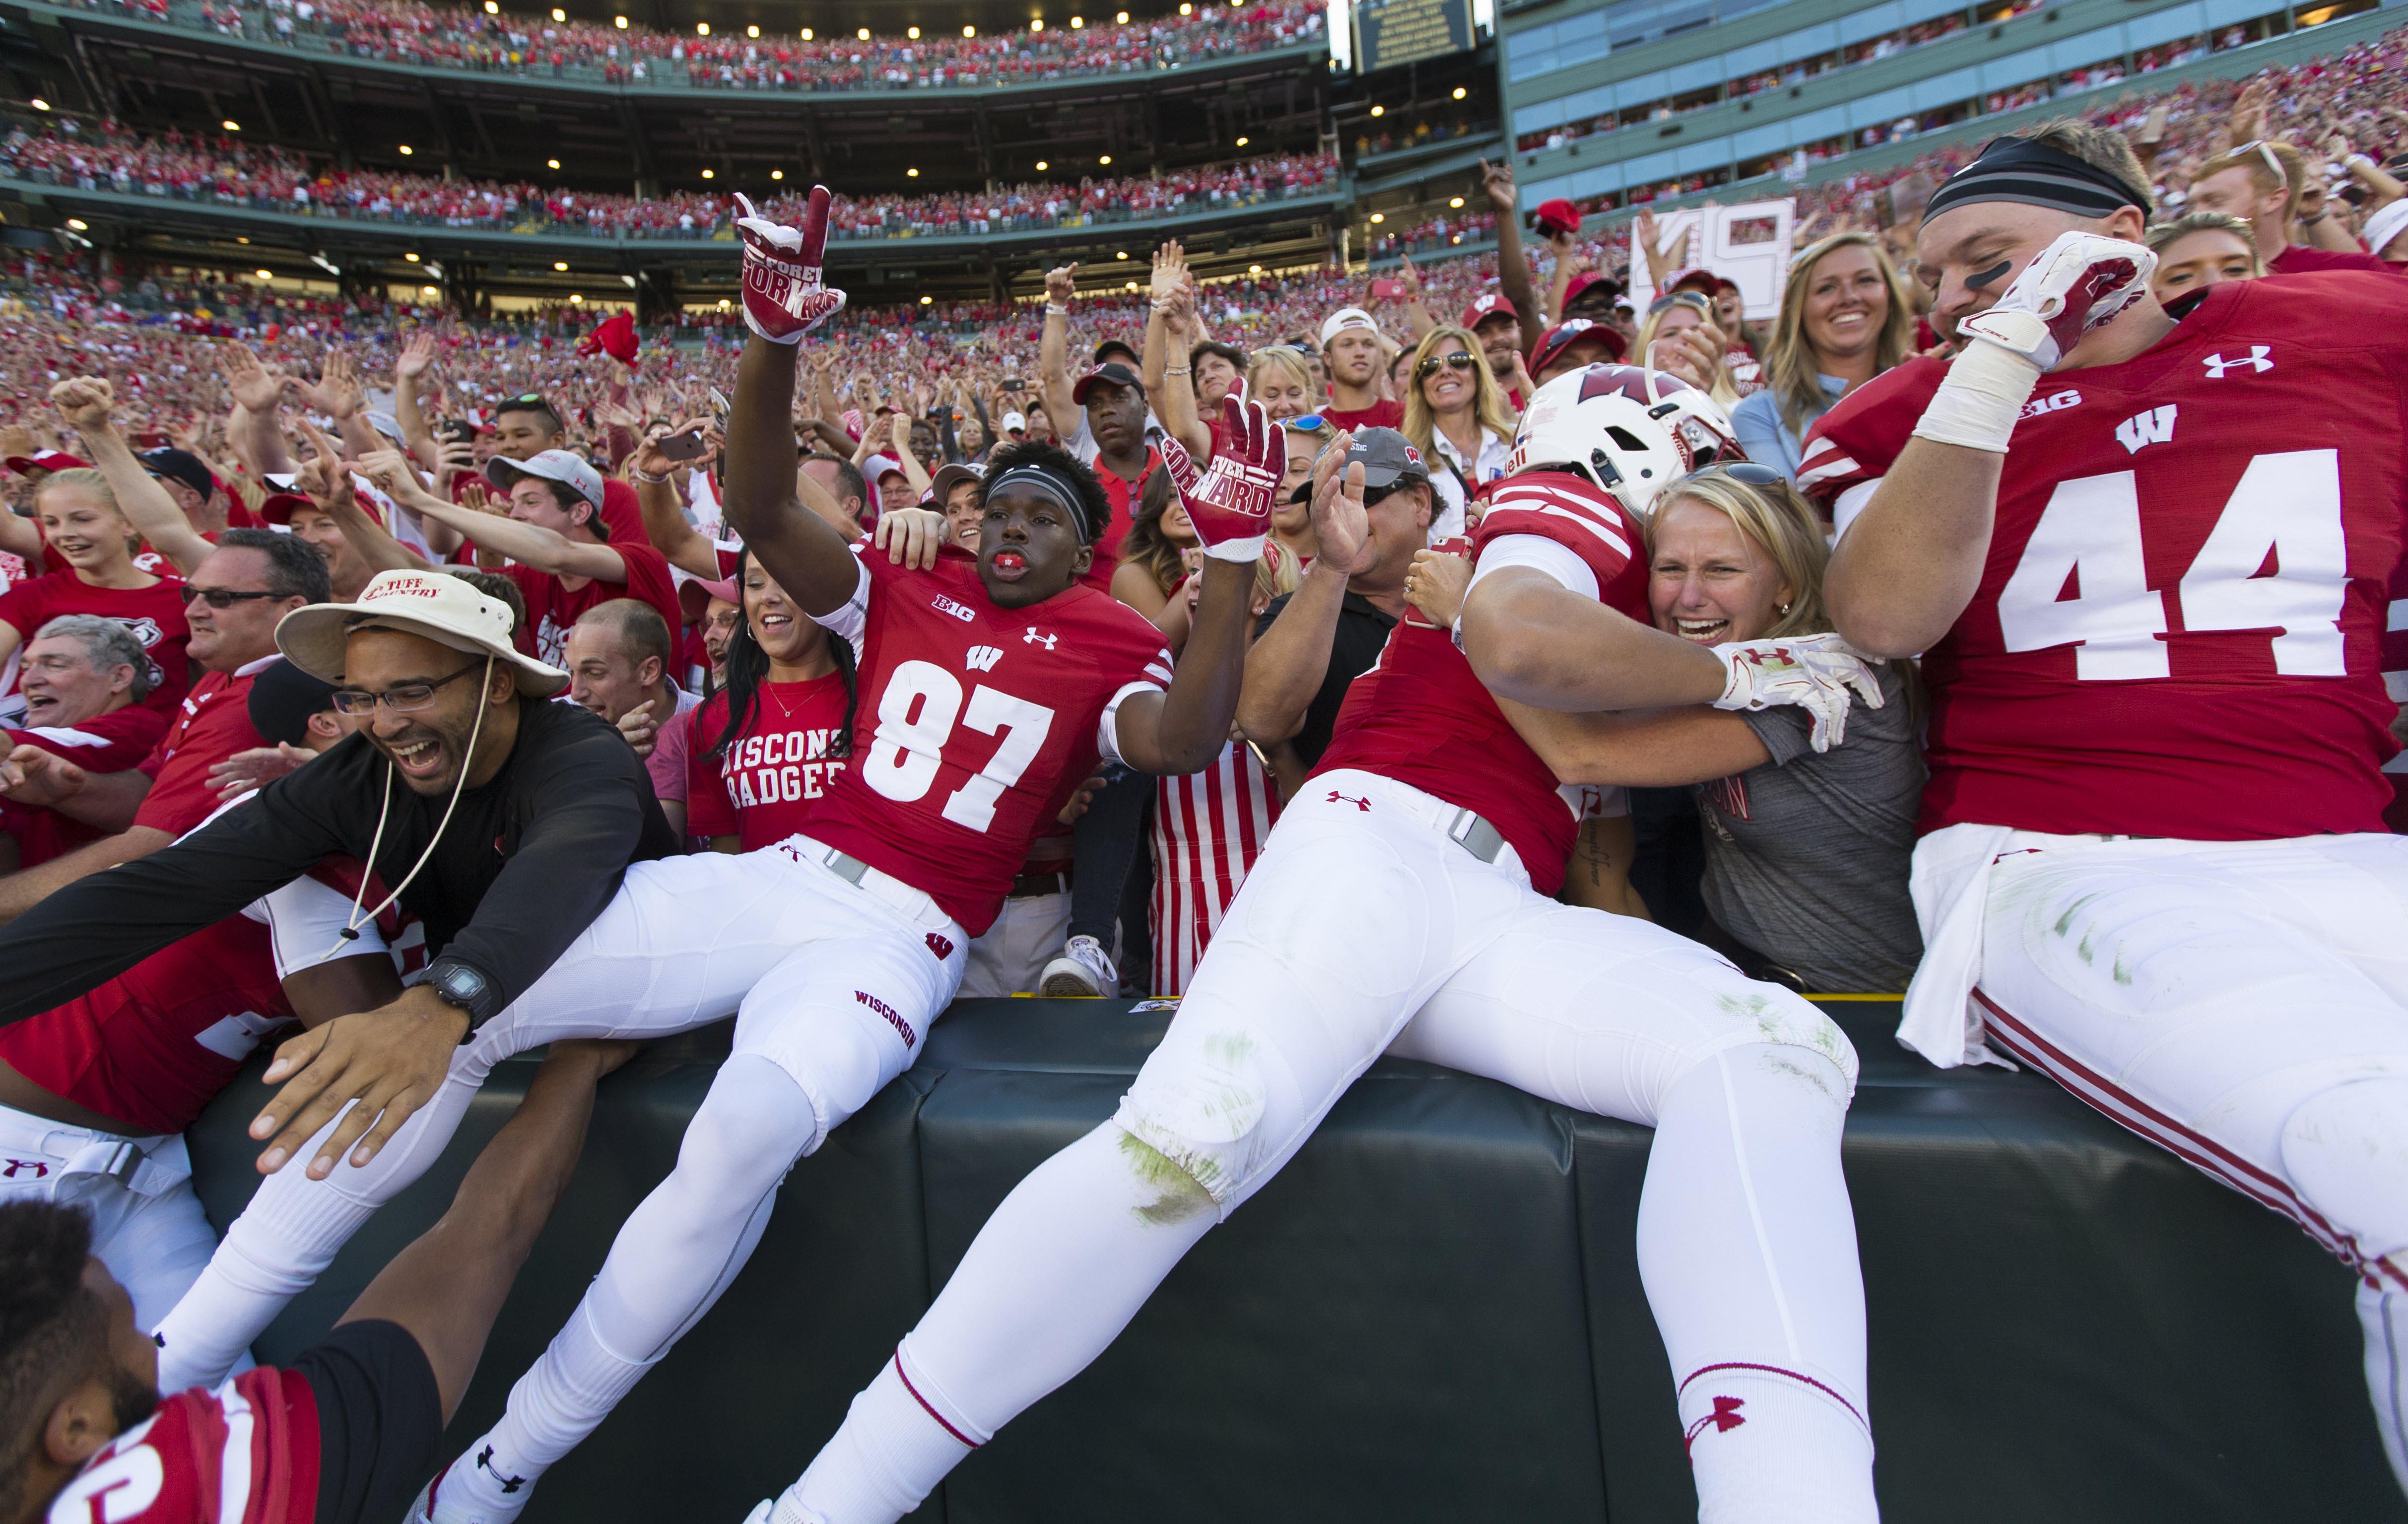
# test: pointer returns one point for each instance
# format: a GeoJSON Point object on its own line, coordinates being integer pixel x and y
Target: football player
{"type": "Point", "coordinates": [1402, 905]}
{"type": "Point", "coordinates": [2151, 563]}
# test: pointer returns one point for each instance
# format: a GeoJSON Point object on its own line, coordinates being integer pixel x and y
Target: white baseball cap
{"type": "Point", "coordinates": [2385, 225]}
{"type": "Point", "coordinates": [1343, 319]}
{"type": "Point", "coordinates": [441, 607]}
{"type": "Point", "coordinates": [878, 468]}
{"type": "Point", "coordinates": [561, 465]}
{"type": "Point", "coordinates": [1015, 423]}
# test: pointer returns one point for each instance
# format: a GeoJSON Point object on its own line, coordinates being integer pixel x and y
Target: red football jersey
{"type": "Point", "coordinates": [245, 1453]}
{"type": "Point", "coordinates": [760, 788]}
{"type": "Point", "coordinates": [1421, 716]}
{"type": "Point", "coordinates": [155, 614]}
{"type": "Point", "coordinates": [552, 607]}
{"type": "Point", "coordinates": [2178, 629]}
{"type": "Point", "coordinates": [212, 724]}
{"type": "Point", "coordinates": [111, 743]}
{"type": "Point", "coordinates": [975, 724]}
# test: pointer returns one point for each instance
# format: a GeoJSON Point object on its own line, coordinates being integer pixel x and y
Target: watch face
{"type": "Point", "coordinates": [462, 985]}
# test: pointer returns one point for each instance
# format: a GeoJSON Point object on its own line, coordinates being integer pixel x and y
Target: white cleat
{"type": "Point", "coordinates": [1084, 971]}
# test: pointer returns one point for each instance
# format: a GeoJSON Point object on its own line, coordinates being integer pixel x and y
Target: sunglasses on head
{"type": "Point", "coordinates": [1746, 472]}
{"type": "Point", "coordinates": [1693, 299]}
{"type": "Point", "coordinates": [2265, 152]}
{"type": "Point", "coordinates": [1428, 364]}
{"type": "Point", "coordinates": [1307, 423]}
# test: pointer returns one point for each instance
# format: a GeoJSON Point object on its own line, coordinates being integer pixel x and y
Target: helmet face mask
{"type": "Point", "coordinates": [1631, 431]}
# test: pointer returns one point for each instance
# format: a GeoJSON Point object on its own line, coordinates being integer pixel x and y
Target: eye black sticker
{"type": "Point", "coordinates": [1976, 281]}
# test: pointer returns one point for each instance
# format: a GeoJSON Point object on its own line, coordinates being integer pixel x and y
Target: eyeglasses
{"type": "Point", "coordinates": [221, 597]}
{"type": "Point", "coordinates": [1695, 300]}
{"type": "Point", "coordinates": [1428, 364]}
{"type": "Point", "coordinates": [401, 698]}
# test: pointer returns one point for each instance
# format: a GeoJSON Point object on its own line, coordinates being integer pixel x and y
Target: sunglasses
{"type": "Point", "coordinates": [2265, 152]}
{"type": "Point", "coordinates": [1428, 364]}
{"type": "Point", "coordinates": [401, 698]}
{"type": "Point", "coordinates": [1306, 424]}
{"type": "Point", "coordinates": [1746, 472]}
{"type": "Point", "coordinates": [1693, 299]}
{"type": "Point", "coordinates": [220, 597]}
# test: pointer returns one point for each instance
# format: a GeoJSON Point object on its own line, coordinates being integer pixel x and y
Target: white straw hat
{"type": "Point", "coordinates": [442, 608]}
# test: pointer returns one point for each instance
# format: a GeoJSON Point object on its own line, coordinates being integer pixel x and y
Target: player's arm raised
{"type": "Point", "coordinates": [1182, 729]}
{"type": "Point", "coordinates": [783, 300]}
{"type": "Point", "coordinates": [1912, 561]}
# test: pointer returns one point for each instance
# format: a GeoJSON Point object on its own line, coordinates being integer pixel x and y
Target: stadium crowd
{"type": "Point", "coordinates": [629, 52]}
{"type": "Point", "coordinates": [732, 589]}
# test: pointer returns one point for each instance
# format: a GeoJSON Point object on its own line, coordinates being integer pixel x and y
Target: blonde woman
{"type": "Point", "coordinates": [1680, 339]}
{"type": "Point", "coordinates": [1292, 506]}
{"type": "Point", "coordinates": [1459, 418]}
{"type": "Point", "coordinates": [2199, 250]}
{"type": "Point", "coordinates": [1278, 378]}
{"type": "Point", "coordinates": [83, 527]}
{"type": "Point", "coordinates": [1845, 318]}
{"type": "Point", "coordinates": [1806, 851]}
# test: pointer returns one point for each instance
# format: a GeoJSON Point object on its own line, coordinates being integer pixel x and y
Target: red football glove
{"type": "Point", "coordinates": [1229, 502]}
{"type": "Point", "coordinates": [784, 300]}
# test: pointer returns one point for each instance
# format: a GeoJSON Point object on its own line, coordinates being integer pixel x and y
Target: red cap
{"type": "Point", "coordinates": [1699, 276]}
{"type": "Point", "coordinates": [695, 595]}
{"type": "Point", "coordinates": [46, 460]}
{"type": "Point", "coordinates": [1559, 216]}
{"type": "Point", "coordinates": [1494, 305]}
{"type": "Point", "coordinates": [1582, 281]}
{"type": "Point", "coordinates": [1564, 335]}
{"type": "Point", "coordinates": [277, 507]}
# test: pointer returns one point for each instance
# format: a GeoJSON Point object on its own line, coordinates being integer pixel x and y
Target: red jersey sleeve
{"type": "Point", "coordinates": [1570, 511]}
{"type": "Point", "coordinates": [111, 743]}
{"type": "Point", "coordinates": [180, 795]}
{"type": "Point", "coordinates": [1856, 443]}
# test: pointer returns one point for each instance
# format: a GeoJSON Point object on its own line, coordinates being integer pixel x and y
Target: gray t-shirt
{"type": "Point", "coordinates": [1806, 856]}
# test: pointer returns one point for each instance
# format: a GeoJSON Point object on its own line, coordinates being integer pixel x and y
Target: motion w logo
{"type": "Point", "coordinates": [982, 658]}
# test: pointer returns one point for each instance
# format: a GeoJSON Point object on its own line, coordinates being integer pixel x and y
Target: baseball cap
{"type": "Point", "coordinates": [1582, 281]}
{"type": "Point", "coordinates": [1386, 456]}
{"type": "Point", "coordinates": [878, 468]}
{"type": "Point", "coordinates": [695, 595]}
{"type": "Point", "coordinates": [435, 605]}
{"type": "Point", "coordinates": [282, 700]}
{"type": "Point", "coordinates": [1110, 347]}
{"type": "Point", "coordinates": [1112, 373]}
{"type": "Point", "coordinates": [563, 466]}
{"type": "Point", "coordinates": [1343, 319]}
{"type": "Point", "coordinates": [384, 424]}
{"type": "Point", "coordinates": [946, 479]}
{"type": "Point", "coordinates": [1494, 305]}
{"type": "Point", "coordinates": [2381, 229]}
{"type": "Point", "coordinates": [1564, 335]}
{"type": "Point", "coordinates": [1700, 278]}
{"type": "Point", "coordinates": [179, 466]}
{"type": "Point", "coordinates": [1015, 423]}
{"type": "Point", "coordinates": [277, 507]}
{"type": "Point", "coordinates": [46, 460]}
{"type": "Point", "coordinates": [1559, 216]}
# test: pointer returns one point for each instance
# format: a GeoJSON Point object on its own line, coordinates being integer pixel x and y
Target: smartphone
{"type": "Point", "coordinates": [456, 431]}
{"type": "Point", "coordinates": [1451, 545]}
{"type": "Point", "coordinates": [685, 444]}
{"type": "Point", "coordinates": [1011, 383]}
{"type": "Point", "coordinates": [1386, 290]}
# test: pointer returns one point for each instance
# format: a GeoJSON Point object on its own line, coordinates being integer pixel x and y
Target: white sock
{"type": "Point", "coordinates": [286, 1236]}
{"type": "Point", "coordinates": [1747, 1247]}
{"type": "Point", "coordinates": [1052, 1279]}
{"type": "Point", "coordinates": [676, 1252]}
{"type": "Point", "coordinates": [2384, 1316]}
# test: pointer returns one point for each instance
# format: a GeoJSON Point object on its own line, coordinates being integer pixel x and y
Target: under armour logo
{"type": "Point", "coordinates": [2153, 426]}
{"type": "Point", "coordinates": [983, 657]}
{"type": "Point", "coordinates": [41, 1170]}
{"type": "Point", "coordinates": [1722, 1420]}
{"type": "Point", "coordinates": [511, 1484]}
{"type": "Point", "coordinates": [2255, 360]}
{"type": "Point", "coordinates": [941, 946]}
{"type": "Point", "coordinates": [1032, 637]}
{"type": "Point", "coordinates": [1364, 805]}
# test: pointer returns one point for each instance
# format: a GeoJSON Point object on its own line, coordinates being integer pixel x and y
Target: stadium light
{"type": "Point", "coordinates": [1379, 217]}
{"type": "Point", "coordinates": [1132, 285]}
{"type": "Point", "coordinates": [1378, 110]}
{"type": "Point", "coordinates": [265, 275]}
{"type": "Point", "coordinates": [1104, 159]}
{"type": "Point", "coordinates": [806, 34]}
{"type": "Point", "coordinates": [430, 291]}
{"type": "Point", "coordinates": [912, 173]}
{"type": "Point", "coordinates": [702, 29]}
{"type": "Point", "coordinates": [558, 14]}
{"type": "Point", "coordinates": [230, 125]}
{"type": "Point", "coordinates": [620, 22]}
{"type": "Point", "coordinates": [1078, 21]}
{"type": "Point", "coordinates": [927, 301]}
{"type": "Point", "coordinates": [577, 296]}
{"type": "Point", "coordinates": [862, 34]}
{"type": "Point", "coordinates": [552, 164]}
{"type": "Point", "coordinates": [560, 265]}
{"type": "Point", "coordinates": [78, 224]}
{"type": "Point", "coordinates": [38, 103]}
{"type": "Point", "coordinates": [412, 257]}
{"type": "Point", "coordinates": [1242, 141]}
{"type": "Point", "coordinates": [1122, 18]}
{"type": "Point", "coordinates": [777, 174]}
{"type": "Point", "coordinates": [492, 7]}
{"type": "Point", "coordinates": [1457, 202]}
{"type": "Point", "coordinates": [1040, 166]}
{"type": "Point", "coordinates": [1186, 10]}
{"type": "Point", "coordinates": [1253, 269]}
{"type": "Point", "coordinates": [1035, 23]}
{"type": "Point", "coordinates": [751, 31]}
{"type": "Point", "coordinates": [709, 174]}
{"type": "Point", "coordinates": [969, 31]}
{"type": "Point", "coordinates": [911, 32]}
{"type": "Point", "coordinates": [404, 150]}
{"type": "Point", "coordinates": [1121, 254]}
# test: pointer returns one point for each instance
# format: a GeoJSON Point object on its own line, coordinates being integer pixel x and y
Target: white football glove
{"type": "Point", "coordinates": [1812, 672]}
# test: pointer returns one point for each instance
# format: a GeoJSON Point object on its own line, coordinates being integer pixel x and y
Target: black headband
{"type": "Point", "coordinates": [1046, 484]}
{"type": "Point", "coordinates": [2036, 175]}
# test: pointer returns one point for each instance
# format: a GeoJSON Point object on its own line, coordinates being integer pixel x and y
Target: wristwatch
{"type": "Point", "coordinates": [458, 985]}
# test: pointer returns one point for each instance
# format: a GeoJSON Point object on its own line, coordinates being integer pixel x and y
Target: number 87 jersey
{"type": "Point", "coordinates": [975, 724]}
{"type": "Point", "coordinates": [2180, 628]}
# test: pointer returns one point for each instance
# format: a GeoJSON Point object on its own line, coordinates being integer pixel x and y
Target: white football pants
{"type": "Point", "coordinates": [1360, 918]}
{"type": "Point", "coordinates": [146, 1225]}
{"type": "Point", "coordinates": [2244, 1004]}
{"type": "Point", "coordinates": [833, 985]}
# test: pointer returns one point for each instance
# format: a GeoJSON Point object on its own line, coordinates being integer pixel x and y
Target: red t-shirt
{"type": "Point", "coordinates": [155, 614]}
{"type": "Point", "coordinates": [975, 724]}
{"type": "Point", "coordinates": [1124, 494]}
{"type": "Point", "coordinates": [111, 743]}
{"type": "Point", "coordinates": [1386, 413]}
{"type": "Point", "coordinates": [759, 790]}
{"type": "Point", "coordinates": [211, 724]}
{"type": "Point", "coordinates": [2299, 259]}
{"type": "Point", "coordinates": [246, 1453]}
{"type": "Point", "coordinates": [2180, 624]}
{"type": "Point", "coordinates": [553, 608]}
{"type": "Point", "coordinates": [1422, 717]}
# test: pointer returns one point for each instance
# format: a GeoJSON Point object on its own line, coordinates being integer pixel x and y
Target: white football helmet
{"type": "Point", "coordinates": [1630, 430]}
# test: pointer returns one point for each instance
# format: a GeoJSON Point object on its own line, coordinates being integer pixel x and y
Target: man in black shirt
{"type": "Point", "coordinates": [1312, 643]}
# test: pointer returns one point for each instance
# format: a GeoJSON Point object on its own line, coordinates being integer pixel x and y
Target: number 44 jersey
{"type": "Point", "coordinates": [2180, 628]}
{"type": "Point", "coordinates": [975, 724]}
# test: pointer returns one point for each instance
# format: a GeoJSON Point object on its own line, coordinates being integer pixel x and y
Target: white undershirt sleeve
{"type": "Point", "coordinates": [1850, 503]}
{"type": "Point", "coordinates": [851, 619]}
{"type": "Point", "coordinates": [1538, 553]}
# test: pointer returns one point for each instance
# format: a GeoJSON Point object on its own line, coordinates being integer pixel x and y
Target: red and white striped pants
{"type": "Point", "coordinates": [1209, 827]}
